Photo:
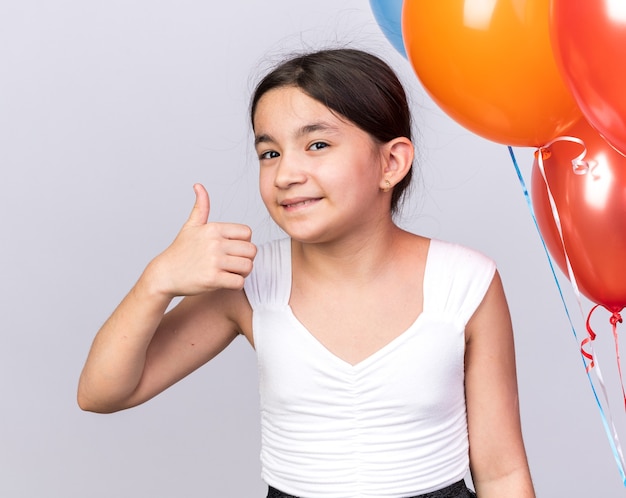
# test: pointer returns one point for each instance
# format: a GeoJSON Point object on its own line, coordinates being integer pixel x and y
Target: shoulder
{"type": "Point", "coordinates": [457, 278]}
{"type": "Point", "coordinates": [460, 256]}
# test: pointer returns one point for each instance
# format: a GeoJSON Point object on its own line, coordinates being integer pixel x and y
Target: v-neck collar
{"type": "Point", "coordinates": [380, 352]}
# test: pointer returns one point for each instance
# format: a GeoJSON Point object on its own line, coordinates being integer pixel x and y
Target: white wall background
{"type": "Point", "coordinates": [109, 112]}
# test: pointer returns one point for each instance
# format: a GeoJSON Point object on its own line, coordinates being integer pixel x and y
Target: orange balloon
{"type": "Point", "coordinates": [592, 211]}
{"type": "Point", "coordinates": [489, 65]}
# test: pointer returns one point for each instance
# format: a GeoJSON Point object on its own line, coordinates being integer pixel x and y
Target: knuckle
{"type": "Point", "coordinates": [247, 266]}
{"type": "Point", "coordinates": [212, 229]}
{"type": "Point", "coordinates": [236, 282]}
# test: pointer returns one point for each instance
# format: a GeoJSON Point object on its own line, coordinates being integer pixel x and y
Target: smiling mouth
{"type": "Point", "coordinates": [298, 203]}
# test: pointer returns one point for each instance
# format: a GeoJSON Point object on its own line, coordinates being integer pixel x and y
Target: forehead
{"type": "Point", "coordinates": [290, 105]}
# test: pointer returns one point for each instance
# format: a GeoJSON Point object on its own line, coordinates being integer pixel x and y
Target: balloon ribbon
{"type": "Point", "coordinates": [614, 320]}
{"type": "Point", "coordinates": [579, 166]}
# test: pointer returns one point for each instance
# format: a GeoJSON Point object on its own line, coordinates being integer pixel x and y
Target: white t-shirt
{"type": "Point", "coordinates": [393, 425]}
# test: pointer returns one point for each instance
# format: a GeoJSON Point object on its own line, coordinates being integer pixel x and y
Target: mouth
{"type": "Point", "coordinates": [292, 204]}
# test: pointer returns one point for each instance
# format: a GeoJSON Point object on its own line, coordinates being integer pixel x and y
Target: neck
{"type": "Point", "coordinates": [357, 258]}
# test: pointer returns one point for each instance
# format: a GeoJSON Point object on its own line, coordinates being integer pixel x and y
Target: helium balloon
{"type": "Point", "coordinates": [592, 212]}
{"type": "Point", "coordinates": [388, 14]}
{"type": "Point", "coordinates": [489, 65]}
{"type": "Point", "coordinates": [589, 40]}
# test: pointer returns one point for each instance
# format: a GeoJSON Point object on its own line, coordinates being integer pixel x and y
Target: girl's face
{"type": "Point", "coordinates": [320, 175]}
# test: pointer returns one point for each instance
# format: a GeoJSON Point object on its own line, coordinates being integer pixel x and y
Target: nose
{"type": "Point", "coordinates": [289, 171]}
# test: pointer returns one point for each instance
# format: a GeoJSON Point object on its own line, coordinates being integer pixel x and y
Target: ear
{"type": "Point", "coordinates": [397, 161]}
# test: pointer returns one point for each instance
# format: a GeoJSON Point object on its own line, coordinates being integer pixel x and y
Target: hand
{"type": "Point", "coordinates": [205, 256]}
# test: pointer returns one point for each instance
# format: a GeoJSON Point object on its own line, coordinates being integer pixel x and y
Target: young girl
{"type": "Point", "coordinates": [386, 359]}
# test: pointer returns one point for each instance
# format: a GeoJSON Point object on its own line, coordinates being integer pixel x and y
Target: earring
{"type": "Point", "coordinates": [387, 186]}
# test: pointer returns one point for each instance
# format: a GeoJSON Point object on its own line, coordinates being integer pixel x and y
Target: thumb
{"type": "Point", "coordinates": [200, 212]}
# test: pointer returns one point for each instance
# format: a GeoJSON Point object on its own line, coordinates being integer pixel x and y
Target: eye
{"type": "Point", "coordinates": [318, 146]}
{"type": "Point", "coordinates": [270, 154]}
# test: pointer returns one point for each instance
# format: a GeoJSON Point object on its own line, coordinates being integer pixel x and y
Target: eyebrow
{"type": "Point", "coordinates": [304, 130]}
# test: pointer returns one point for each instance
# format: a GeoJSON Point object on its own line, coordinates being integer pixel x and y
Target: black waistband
{"type": "Point", "coordinates": [456, 490]}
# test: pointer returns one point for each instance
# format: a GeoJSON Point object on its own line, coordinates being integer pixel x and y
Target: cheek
{"type": "Point", "coordinates": [359, 172]}
{"type": "Point", "coordinates": [266, 187]}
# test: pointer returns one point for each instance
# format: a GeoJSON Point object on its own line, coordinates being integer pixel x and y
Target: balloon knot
{"type": "Point", "coordinates": [545, 153]}
{"type": "Point", "coordinates": [615, 318]}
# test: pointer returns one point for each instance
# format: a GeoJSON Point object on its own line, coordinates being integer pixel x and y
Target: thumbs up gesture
{"type": "Point", "coordinates": [205, 256]}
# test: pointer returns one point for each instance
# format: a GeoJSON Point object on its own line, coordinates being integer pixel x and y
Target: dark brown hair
{"type": "Point", "coordinates": [355, 84]}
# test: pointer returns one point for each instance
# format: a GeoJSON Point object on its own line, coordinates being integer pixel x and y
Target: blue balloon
{"type": "Point", "coordinates": [388, 14]}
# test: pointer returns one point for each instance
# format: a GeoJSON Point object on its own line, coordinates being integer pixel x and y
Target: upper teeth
{"type": "Point", "coordinates": [299, 203]}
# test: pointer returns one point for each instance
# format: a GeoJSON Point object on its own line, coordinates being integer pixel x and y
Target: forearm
{"type": "Point", "coordinates": [117, 357]}
{"type": "Point", "coordinates": [137, 353]}
{"type": "Point", "coordinates": [516, 484]}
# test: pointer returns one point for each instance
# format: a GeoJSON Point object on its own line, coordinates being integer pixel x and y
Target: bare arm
{"type": "Point", "coordinates": [497, 455]}
{"type": "Point", "coordinates": [139, 352]}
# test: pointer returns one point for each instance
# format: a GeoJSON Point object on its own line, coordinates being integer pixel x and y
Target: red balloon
{"type": "Point", "coordinates": [589, 43]}
{"type": "Point", "coordinates": [592, 210]}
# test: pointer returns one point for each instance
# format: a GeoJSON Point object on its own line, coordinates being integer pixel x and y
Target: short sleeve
{"type": "Point", "coordinates": [269, 283]}
{"type": "Point", "coordinates": [456, 280]}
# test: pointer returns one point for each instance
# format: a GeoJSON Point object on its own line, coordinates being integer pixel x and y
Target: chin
{"type": "Point", "coordinates": [307, 236]}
